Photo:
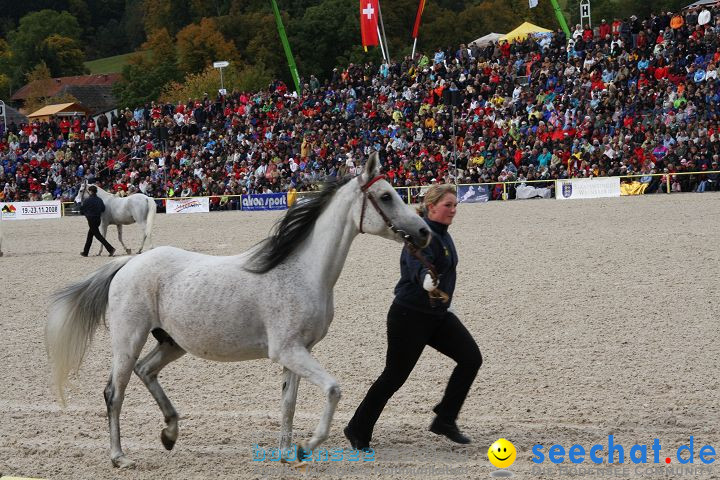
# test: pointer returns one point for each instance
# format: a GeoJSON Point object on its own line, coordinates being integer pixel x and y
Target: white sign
{"type": "Point", "coordinates": [574, 188]}
{"type": "Point", "coordinates": [190, 205]}
{"type": "Point", "coordinates": [30, 210]}
{"type": "Point", "coordinates": [221, 64]}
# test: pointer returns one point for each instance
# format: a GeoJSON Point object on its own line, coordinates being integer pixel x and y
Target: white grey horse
{"type": "Point", "coordinates": [229, 309]}
{"type": "Point", "coordinates": [136, 208]}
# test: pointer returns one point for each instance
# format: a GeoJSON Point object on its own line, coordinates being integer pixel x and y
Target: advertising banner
{"type": "Point", "coordinates": [573, 188]}
{"type": "Point", "coordinates": [30, 210]}
{"type": "Point", "coordinates": [265, 201]}
{"type": "Point", "coordinates": [189, 205]}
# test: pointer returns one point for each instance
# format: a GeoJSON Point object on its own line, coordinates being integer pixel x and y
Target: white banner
{"type": "Point", "coordinates": [587, 188]}
{"type": "Point", "coordinates": [190, 205]}
{"type": "Point", "coordinates": [30, 210]}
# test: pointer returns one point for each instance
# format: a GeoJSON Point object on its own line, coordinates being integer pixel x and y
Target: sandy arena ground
{"type": "Point", "coordinates": [594, 318]}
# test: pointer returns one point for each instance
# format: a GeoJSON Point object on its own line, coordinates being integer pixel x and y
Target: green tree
{"type": "Point", "coordinates": [256, 38]}
{"type": "Point", "coordinates": [172, 15]}
{"type": "Point", "coordinates": [198, 45]}
{"type": "Point", "coordinates": [5, 66]}
{"type": "Point", "coordinates": [63, 55]}
{"type": "Point", "coordinates": [133, 24]}
{"type": "Point", "coordinates": [324, 36]}
{"type": "Point", "coordinates": [209, 8]}
{"type": "Point", "coordinates": [247, 78]}
{"type": "Point", "coordinates": [439, 28]}
{"type": "Point", "coordinates": [29, 42]}
{"type": "Point", "coordinates": [543, 15]}
{"type": "Point", "coordinates": [144, 77]}
{"type": "Point", "coordinates": [40, 80]}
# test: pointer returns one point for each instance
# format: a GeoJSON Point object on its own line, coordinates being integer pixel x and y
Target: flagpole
{"type": "Point", "coordinates": [286, 46]}
{"type": "Point", "coordinates": [561, 18]}
{"type": "Point", "coordinates": [381, 46]}
{"type": "Point", "coordinates": [416, 27]}
{"type": "Point", "coordinates": [382, 27]}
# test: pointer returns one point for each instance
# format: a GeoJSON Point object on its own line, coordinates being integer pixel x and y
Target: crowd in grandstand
{"type": "Point", "coordinates": [629, 96]}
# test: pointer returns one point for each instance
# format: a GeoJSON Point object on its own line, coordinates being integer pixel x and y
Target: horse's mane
{"type": "Point", "coordinates": [292, 229]}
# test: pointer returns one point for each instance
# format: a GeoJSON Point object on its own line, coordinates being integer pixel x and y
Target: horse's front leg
{"type": "Point", "coordinates": [103, 231]}
{"type": "Point", "coordinates": [127, 250]}
{"type": "Point", "coordinates": [289, 399]}
{"type": "Point", "coordinates": [298, 359]}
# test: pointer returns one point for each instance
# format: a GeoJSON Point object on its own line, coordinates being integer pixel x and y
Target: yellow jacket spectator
{"type": "Point", "coordinates": [291, 196]}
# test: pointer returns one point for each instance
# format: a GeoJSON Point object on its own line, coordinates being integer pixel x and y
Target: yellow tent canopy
{"type": "Point", "coordinates": [521, 32]}
{"type": "Point", "coordinates": [68, 109]}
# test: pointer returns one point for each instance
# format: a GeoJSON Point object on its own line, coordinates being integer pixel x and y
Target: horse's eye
{"type": "Point", "coordinates": [386, 197]}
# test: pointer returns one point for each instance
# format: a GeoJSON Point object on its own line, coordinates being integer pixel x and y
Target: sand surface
{"type": "Point", "coordinates": [594, 318]}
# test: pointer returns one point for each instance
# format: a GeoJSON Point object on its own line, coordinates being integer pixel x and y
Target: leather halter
{"type": "Point", "coordinates": [369, 196]}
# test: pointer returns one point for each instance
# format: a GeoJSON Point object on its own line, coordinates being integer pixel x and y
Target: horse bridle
{"type": "Point", "coordinates": [369, 196]}
{"type": "Point", "coordinates": [436, 294]}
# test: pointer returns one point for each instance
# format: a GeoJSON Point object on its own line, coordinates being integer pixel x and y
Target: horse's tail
{"type": "Point", "coordinates": [150, 220]}
{"type": "Point", "coordinates": [75, 312]}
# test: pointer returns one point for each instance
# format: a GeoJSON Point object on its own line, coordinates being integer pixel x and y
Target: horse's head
{"type": "Point", "coordinates": [382, 212]}
{"type": "Point", "coordinates": [82, 192]}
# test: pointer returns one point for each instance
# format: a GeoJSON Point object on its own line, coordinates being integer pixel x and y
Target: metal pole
{"type": "Point", "coordinates": [413, 51]}
{"type": "Point", "coordinates": [222, 85]}
{"type": "Point", "coordinates": [382, 27]}
{"type": "Point", "coordinates": [382, 49]}
{"type": "Point", "coordinates": [286, 46]}
{"type": "Point", "coordinates": [4, 117]}
{"type": "Point", "coordinates": [452, 116]}
{"type": "Point", "coordinates": [561, 18]}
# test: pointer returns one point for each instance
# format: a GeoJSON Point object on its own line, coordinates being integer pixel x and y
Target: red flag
{"type": "Point", "coordinates": [369, 22]}
{"type": "Point", "coordinates": [421, 7]}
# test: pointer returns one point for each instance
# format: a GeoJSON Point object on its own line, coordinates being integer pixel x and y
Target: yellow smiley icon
{"type": "Point", "coordinates": [502, 453]}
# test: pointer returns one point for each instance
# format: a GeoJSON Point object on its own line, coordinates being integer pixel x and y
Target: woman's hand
{"type": "Point", "coordinates": [429, 284]}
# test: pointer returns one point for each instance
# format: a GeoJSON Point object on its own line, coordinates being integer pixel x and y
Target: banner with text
{"type": "Point", "coordinates": [265, 201]}
{"type": "Point", "coordinates": [189, 205]}
{"type": "Point", "coordinates": [573, 188]}
{"type": "Point", "coordinates": [30, 210]}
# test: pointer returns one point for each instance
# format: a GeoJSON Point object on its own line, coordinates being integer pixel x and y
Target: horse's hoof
{"type": "Point", "coordinates": [303, 455]}
{"type": "Point", "coordinates": [128, 251]}
{"type": "Point", "coordinates": [1, 254]}
{"type": "Point", "coordinates": [167, 442]}
{"type": "Point", "coordinates": [123, 462]}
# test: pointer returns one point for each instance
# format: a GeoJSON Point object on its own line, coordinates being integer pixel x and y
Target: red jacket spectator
{"type": "Point", "coordinates": [604, 29]}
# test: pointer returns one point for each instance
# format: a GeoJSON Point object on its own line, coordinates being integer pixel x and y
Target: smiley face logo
{"type": "Point", "coordinates": [502, 453]}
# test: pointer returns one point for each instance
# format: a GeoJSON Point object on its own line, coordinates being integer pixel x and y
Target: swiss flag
{"type": "Point", "coordinates": [369, 22]}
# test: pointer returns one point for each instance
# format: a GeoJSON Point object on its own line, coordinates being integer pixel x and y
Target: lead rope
{"type": "Point", "coordinates": [436, 294]}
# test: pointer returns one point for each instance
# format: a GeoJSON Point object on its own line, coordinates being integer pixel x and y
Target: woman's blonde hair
{"type": "Point", "coordinates": [434, 194]}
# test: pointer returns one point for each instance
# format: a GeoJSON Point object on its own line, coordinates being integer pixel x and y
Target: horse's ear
{"type": "Point", "coordinates": [372, 166]}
